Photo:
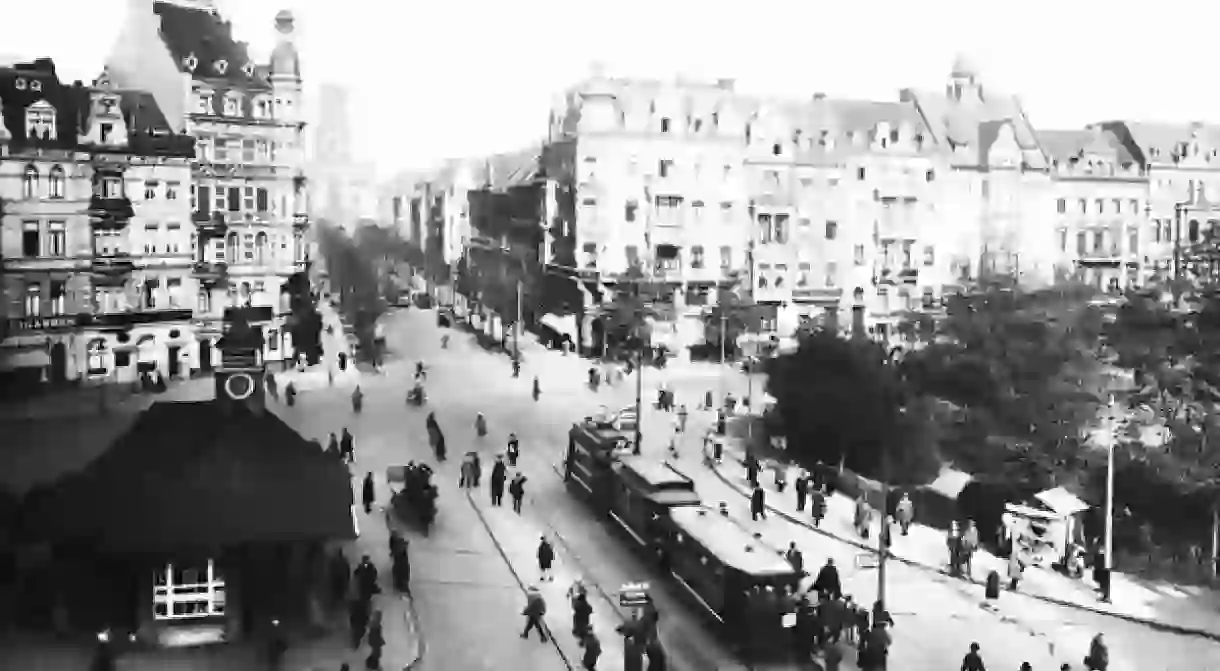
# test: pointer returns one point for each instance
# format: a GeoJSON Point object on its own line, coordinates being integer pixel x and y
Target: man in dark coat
{"type": "Point", "coordinates": [758, 504]}
{"type": "Point", "coordinates": [581, 612]}
{"type": "Point", "coordinates": [752, 469]}
{"type": "Point", "coordinates": [817, 507]}
{"type": "Point", "coordinates": [795, 558]}
{"type": "Point", "coordinates": [366, 578]}
{"type": "Point", "coordinates": [546, 557]}
{"type": "Point", "coordinates": [802, 490]}
{"type": "Point", "coordinates": [827, 582]}
{"type": "Point", "coordinates": [347, 447]}
{"type": "Point", "coordinates": [499, 473]}
{"type": "Point", "coordinates": [358, 618]}
{"type": "Point", "coordinates": [516, 489]}
{"type": "Point", "coordinates": [368, 494]}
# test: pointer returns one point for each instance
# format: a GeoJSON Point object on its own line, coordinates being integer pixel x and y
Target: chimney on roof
{"type": "Point", "coordinates": [240, 377]}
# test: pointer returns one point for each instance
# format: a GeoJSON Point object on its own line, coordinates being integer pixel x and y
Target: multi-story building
{"type": "Point", "coordinates": [650, 177]}
{"type": "Point", "coordinates": [1101, 202]}
{"type": "Point", "coordinates": [96, 232]}
{"type": "Point", "coordinates": [1183, 199]}
{"type": "Point", "coordinates": [248, 188]}
{"type": "Point", "coordinates": [844, 198]}
{"type": "Point", "coordinates": [998, 188]}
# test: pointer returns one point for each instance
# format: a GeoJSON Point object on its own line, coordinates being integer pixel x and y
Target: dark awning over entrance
{"type": "Point", "coordinates": [187, 476]}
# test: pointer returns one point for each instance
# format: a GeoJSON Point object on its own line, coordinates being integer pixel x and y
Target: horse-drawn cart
{"type": "Point", "coordinates": [412, 495]}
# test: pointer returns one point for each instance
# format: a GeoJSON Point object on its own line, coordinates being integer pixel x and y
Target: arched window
{"type": "Point", "coordinates": [29, 183]}
{"type": "Point", "coordinates": [96, 351]}
{"type": "Point", "coordinates": [260, 249]}
{"type": "Point", "coordinates": [56, 182]}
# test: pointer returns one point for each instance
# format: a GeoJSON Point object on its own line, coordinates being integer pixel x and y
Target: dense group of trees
{"type": "Point", "coordinates": [1009, 385]}
{"type": "Point", "coordinates": [356, 266]}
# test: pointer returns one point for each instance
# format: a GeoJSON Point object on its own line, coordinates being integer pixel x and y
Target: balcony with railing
{"type": "Point", "coordinates": [210, 272]}
{"type": "Point", "coordinates": [115, 267]}
{"type": "Point", "coordinates": [210, 224]}
{"type": "Point", "coordinates": [110, 213]}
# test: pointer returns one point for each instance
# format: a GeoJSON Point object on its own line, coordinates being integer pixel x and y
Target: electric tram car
{"type": "Point", "coordinates": [745, 585]}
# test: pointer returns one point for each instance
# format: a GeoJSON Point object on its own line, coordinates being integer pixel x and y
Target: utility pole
{"type": "Point", "coordinates": [1109, 539]}
{"type": "Point", "coordinates": [517, 325]}
{"type": "Point", "coordinates": [639, 370]}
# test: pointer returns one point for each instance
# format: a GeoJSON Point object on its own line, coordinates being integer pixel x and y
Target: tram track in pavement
{"type": "Point", "coordinates": [550, 636]}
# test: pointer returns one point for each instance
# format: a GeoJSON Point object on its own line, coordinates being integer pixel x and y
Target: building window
{"type": "Point", "coordinates": [262, 202]}
{"type": "Point", "coordinates": [777, 149]}
{"type": "Point", "coordinates": [832, 230]}
{"type": "Point", "coordinates": [105, 132]}
{"type": "Point", "coordinates": [696, 256]}
{"type": "Point", "coordinates": [40, 121]}
{"type": "Point", "coordinates": [182, 592]}
{"type": "Point", "coordinates": [96, 356]}
{"type": "Point", "coordinates": [112, 187]}
{"type": "Point", "coordinates": [906, 254]}
{"type": "Point", "coordinates": [1062, 206]}
{"type": "Point", "coordinates": [590, 254]}
{"type": "Point", "coordinates": [629, 210]}
{"type": "Point", "coordinates": [260, 249]}
{"type": "Point", "coordinates": [726, 211]}
{"type": "Point", "coordinates": [248, 201]}
{"type": "Point", "coordinates": [930, 176]}
{"type": "Point", "coordinates": [31, 239]}
{"type": "Point", "coordinates": [697, 209]}
{"type": "Point", "coordinates": [1133, 241]}
{"type": "Point", "coordinates": [56, 182]}
{"type": "Point", "coordinates": [234, 203]}
{"type": "Point", "coordinates": [204, 148]}
{"type": "Point", "coordinates": [150, 189]}
{"type": "Point", "coordinates": [726, 258]}
{"type": "Point", "coordinates": [248, 151]}
{"type": "Point", "coordinates": [33, 300]}
{"type": "Point", "coordinates": [664, 167]}
{"type": "Point", "coordinates": [203, 302]}
{"type": "Point", "coordinates": [1135, 206]}
{"type": "Point", "coordinates": [764, 229]}
{"type": "Point", "coordinates": [203, 104]}
{"type": "Point", "coordinates": [59, 297]}
{"type": "Point", "coordinates": [929, 255]}
{"type": "Point", "coordinates": [57, 239]}
{"type": "Point", "coordinates": [858, 255]}
{"type": "Point", "coordinates": [1083, 205]}
{"type": "Point", "coordinates": [171, 191]}
{"type": "Point", "coordinates": [29, 183]}
{"type": "Point", "coordinates": [232, 106]}
{"type": "Point", "coordinates": [781, 228]}
{"type": "Point", "coordinates": [1082, 243]}
{"type": "Point", "coordinates": [1101, 205]}
{"type": "Point", "coordinates": [173, 291]}
{"type": "Point", "coordinates": [1099, 241]}
{"type": "Point", "coordinates": [861, 174]}
{"type": "Point", "coordinates": [631, 254]}
{"type": "Point", "coordinates": [832, 273]}
{"type": "Point", "coordinates": [665, 124]}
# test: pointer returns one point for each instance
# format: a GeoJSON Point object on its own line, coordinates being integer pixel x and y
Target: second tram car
{"type": "Point", "coordinates": [745, 584]}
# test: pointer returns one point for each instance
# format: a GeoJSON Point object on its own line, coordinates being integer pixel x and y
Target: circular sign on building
{"type": "Point", "coordinates": [239, 386]}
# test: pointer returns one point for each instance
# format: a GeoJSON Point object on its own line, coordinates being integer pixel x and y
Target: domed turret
{"type": "Point", "coordinates": [284, 58]}
{"type": "Point", "coordinates": [963, 68]}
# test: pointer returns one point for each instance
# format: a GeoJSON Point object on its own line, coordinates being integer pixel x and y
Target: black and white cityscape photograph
{"type": "Point", "coordinates": [542, 336]}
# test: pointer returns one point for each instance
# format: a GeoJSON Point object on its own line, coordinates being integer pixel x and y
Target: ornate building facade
{"type": "Point", "coordinates": [247, 191]}
{"type": "Point", "coordinates": [96, 232]}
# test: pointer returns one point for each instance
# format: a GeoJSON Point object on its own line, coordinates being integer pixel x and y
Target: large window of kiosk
{"type": "Point", "coordinates": [186, 591]}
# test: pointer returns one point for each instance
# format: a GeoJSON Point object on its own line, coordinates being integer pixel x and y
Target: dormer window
{"type": "Point", "coordinates": [35, 85]}
{"type": "Point", "coordinates": [20, 83]}
{"type": "Point", "coordinates": [190, 63]}
{"type": "Point", "coordinates": [203, 103]}
{"type": "Point", "coordinates": [248, 68]}
{"type": "Point", "coordinates": [40, 121]}
{"type": "Point", "coordinates": [221, 66]}
{"type": "Point", "coordinates": [107, 105]}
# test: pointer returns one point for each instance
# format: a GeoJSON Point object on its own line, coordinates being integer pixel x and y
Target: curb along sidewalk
{"type": "Point", "coordinates": [840, 511]}
{"type": "Point", "coordinates": [517, 536]}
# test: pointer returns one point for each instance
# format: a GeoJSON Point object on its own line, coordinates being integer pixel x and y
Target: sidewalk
{"type": "Point", "coordinates": [518, 536]}
{"type": "Point", "coordinates": [925, 548]}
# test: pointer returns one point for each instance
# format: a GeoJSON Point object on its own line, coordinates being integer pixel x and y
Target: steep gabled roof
{"type": "Point", "coordinates": [25, 84]}
{"type": "Point", "coordinates": [1160, 142]}
{"type": "Point", "coordinates": [148, 131]}
{"type": "Point", "coordinates": [1064, 145]}
{"type": "Point", "coordinates": [186, 475]}
{"type": "Point", "coordinates": [961, 124]}
{"type": "Point", "coordinates": [209, 38]}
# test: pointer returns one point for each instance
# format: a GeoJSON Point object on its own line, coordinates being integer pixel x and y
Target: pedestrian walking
{"type": "Point", "coordinates": [752, 468]}
{"type": "Point", "coordinates": [973, 661]}
{"type": "Point", "coordinates": [476, 470]}
{"type": "Point", "coordinates": [376, 639]}
{"type": "Point", "coordinates": [582, 612]}
{"type": "Point", "coordinates": [332, 446]}
{"type": "Point", "coordinates": [780, 472]}
{"type": "Point", "coordinates": [904, 512]}
{"type": "Point", "coordinates": [514, 449]}
{"type": "Point", "coordinates": [537, 389]}
{"type": "Point", "coordinates": [358, 619]}
{"type": "Point", "coordinates": [827, 584]}
{"type": "Point", "coordinates": [347, 447]}
{"type": "Point", "coordinates": [1099, 655]}
{"type": "Point", "coordinates": [758, 504]}
{"type": "Point", "coordinates": [795, 558]}
{"type": "Point", "coordinates": [516, 489]}
{"type": "Point", "coordinates": [801, 485]}
{"type": "Point", "coordinates": [593, 650]}
{"type": "Point", "coordinates": [365, 575]}
{"type": "Point", "coordinates": [499, 473]}
{"type": "Point", "coordinates": [863, 516]}
{"type": "Point", "coordinates": [1016, 570]}
{"type": "Point", "coordinates": [546, 558]}
{"type": "Point", "coordinates": [367, 494]}
{"type": "Point", "coordinates": [535, 608]}
{"type": "Point", "coordinates": [682, 417]}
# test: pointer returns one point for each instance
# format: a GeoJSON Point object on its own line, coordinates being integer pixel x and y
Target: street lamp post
{"type": "Point", "coordinates": [1109, 437]}
{"type": "Point", "coordinates": [883, 551]}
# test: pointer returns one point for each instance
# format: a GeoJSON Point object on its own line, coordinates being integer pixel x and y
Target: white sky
{"type": "Point", "coordinates": [431, 80]}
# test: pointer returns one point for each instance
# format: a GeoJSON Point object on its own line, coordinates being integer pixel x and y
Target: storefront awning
{"type": "Point", "coordinates": [565, 325]}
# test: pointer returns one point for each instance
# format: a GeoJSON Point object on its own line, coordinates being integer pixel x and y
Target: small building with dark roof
{"type": "Point", "coordinates": [207, 517]}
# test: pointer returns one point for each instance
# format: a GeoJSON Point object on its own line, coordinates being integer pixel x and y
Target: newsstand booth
{"type": "Point", "coordinates": [205, 521]}
{"type": "Point", "coordinates": [1046, 530]}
